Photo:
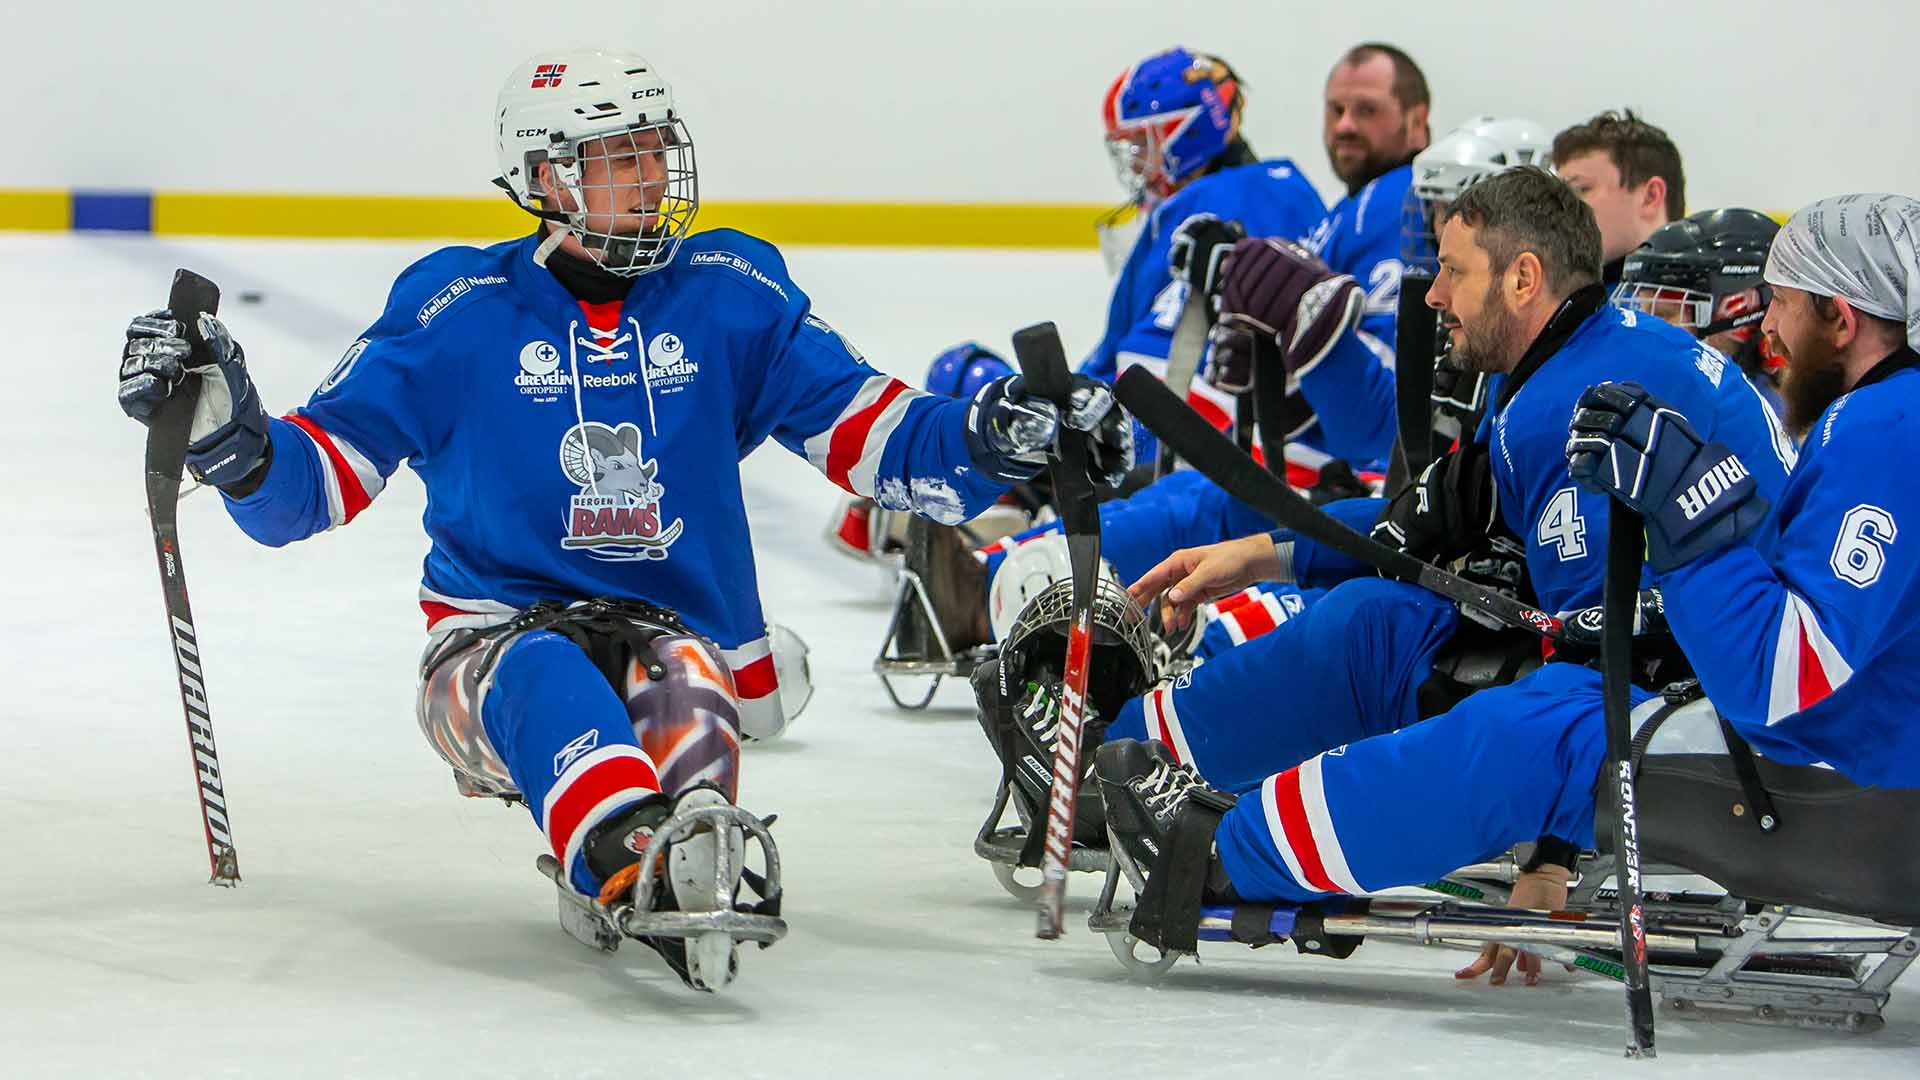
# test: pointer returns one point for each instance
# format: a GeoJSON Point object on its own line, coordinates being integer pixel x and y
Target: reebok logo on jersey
{"type": "Point", "coordinates": [1717, 481]}
{"type": "Point", "coordinates": [601, 382]}
{"type": "Point", "coordinates": [571, 752]}
{"type": "Point", "coordinates": [540, 376]}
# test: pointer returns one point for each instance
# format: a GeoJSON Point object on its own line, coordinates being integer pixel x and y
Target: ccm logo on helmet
{"type": "Point", "coordinates": [528, 133]}
{"type": "Point", "coordinates": [649, 92]}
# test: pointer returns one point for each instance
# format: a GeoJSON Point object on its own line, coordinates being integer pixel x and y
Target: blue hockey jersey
{"type": "Point", "coordinates": [576, 450]}
{"type": "Point", "coordinates": [1563, 525]}
{"type": "Point", "coordinates": [1351, 389]}
{"type": "Point", "coordinates": [1269, 198]}
{"type": "Point", "coordinates": [1806, 635]}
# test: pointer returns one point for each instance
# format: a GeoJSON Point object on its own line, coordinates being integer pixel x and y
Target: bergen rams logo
{"type": "Point", "coordinates": [668, 368]}
{"type": "Point", "coordinates": [616, 517]}
{"type": "Point", "coordinates": [540, 376]}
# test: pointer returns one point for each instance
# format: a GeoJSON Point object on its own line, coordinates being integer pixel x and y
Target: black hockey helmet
{"type": "Point", "coordinates": [1125, 659]}
{"type": "Point", "coordinates": [1702, 272]}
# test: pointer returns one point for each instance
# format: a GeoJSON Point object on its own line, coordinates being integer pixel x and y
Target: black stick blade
{"type": "Point", "coordinates": [1043, 362]}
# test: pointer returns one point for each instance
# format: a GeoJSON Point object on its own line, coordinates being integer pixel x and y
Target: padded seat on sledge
{"type": "Point", "coordinates": [1839, 847]}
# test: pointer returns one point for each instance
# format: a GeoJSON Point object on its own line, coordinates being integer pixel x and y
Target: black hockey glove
{"type": "Point", "coordinates": [1500, 564]}
{"type": "Point", "coordinates": [228, 438]}
{"type": "Point", "coordinates": [1697, 496]}
{"type": "Point", "coordinates": [1195, 252]}
{"type": "Point", "coordinates": [1448, 512]}
{"type": "Point", "coordinates": [1009, 431]}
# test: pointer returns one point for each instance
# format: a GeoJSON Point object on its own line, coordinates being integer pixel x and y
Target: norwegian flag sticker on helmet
{"type": "Point", "coordinates": [548, 75]}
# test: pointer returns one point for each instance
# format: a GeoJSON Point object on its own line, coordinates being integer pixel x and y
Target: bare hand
{"type": "Point", "coordinates": [1544, 889]}
{"type": "Point", "coordinates": [1193, 576]}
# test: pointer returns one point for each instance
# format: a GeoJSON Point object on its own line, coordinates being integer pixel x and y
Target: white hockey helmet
{"type": "Point", "coordinates": [1463, 157]}
{"type": "Point", "coordinates": [1025, 573]}
{"type": "Point", "coordinates": [605, 122]}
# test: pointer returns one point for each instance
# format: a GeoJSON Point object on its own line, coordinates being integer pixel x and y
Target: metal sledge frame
{"type": "Point", "coordinates": [888, 665]}
{"type": "Point", "coordinates": [1713, 955]}
{"type": "Point", "coordinates": [590, 923]}
{"type": "Point", "coordinates": [1001, 846]}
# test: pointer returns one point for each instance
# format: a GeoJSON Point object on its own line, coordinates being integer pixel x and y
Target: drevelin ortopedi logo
{"type": "Point", "coordinates": [667, 362]}
{"type": "Point", "coordinates": [540, 375]}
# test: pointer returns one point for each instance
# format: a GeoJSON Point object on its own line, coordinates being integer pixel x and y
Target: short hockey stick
{"type": "Point", "coordinates": [1043, 362]}
{"type": "Point", "coordinates": [1215, 455]}
{"type": "Point", "coordinates": [1183, 361]}
{"type": "Point", "coordinates": [1620, 595]}
{"type": "Point", "coordinates": [1416, 339]}
{"type": "Point", "coordinates": [167, 433]}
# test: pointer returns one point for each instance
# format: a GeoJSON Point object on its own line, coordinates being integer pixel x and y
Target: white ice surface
{"type": "Point", "coordinates": [388, 927]}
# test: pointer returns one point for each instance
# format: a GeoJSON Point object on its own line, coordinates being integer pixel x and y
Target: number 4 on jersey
{"type": "Point", "coordinates": [1562, 526]}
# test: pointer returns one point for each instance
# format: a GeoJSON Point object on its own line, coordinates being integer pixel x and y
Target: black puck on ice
{"type": "Point", "coordinates": [252, 296]}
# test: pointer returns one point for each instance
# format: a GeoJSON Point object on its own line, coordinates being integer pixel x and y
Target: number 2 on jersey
{"type": "Point", "coordinates": [1562, 526]}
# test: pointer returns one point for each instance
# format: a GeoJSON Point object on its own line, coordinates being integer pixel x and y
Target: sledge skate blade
{"type": "Point", "coordinates": [584, 920]}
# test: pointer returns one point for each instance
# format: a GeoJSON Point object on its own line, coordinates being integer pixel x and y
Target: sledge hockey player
{"type": "Point", "coordinates": [1185, 509]}
{"type": "Point", "coordinates": [1172, 128]}
{"type": "Point", "coordinates": [1519, 290]}
{"type": "Point", "coordinates": [1801, 623]}
{"type": "Point", "coordinates": [576, 402]}
{"type": "Point", "coordinates": [1703, 273]}
{"type": "Point", "coordinates": [1339, 404]}
{"type": "Point", "coordinates": [1630, 172]}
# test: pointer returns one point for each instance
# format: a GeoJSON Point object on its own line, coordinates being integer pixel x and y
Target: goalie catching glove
{"type": "Point", "coordinates": [1278, 303]}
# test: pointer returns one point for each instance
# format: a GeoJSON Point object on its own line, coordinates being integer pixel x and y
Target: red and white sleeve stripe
{"type": "Point", "coordinates": [848, 452]}
{"type": "Point", "coordinates": [592, 787]}
{"type": "Point", "coordinates": [1163, 723]}
{"type": "Point", "coordinates": [448, 613]}
{"type": "Point", "coordinates": [1006, 544]}
{"type": "Point", "coordinates": [1295, 803]}
{"type": "Point", "coordinates": [757, 683]}
{"type": "Point", "coordinates": [1806, 665]}
{"type": "Point", "coordinates": [1252, 616]}
{"type": "Point", "coordinates": [350, 479]}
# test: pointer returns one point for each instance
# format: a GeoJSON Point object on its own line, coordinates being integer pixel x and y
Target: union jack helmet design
{"type": "Point", "coordinates": [1167, 117]}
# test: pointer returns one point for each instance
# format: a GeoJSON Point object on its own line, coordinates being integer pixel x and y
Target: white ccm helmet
{"type": "Point", "coordinates": [558, 101]}
{"type": "Point", "coordinates": [1463, 157]}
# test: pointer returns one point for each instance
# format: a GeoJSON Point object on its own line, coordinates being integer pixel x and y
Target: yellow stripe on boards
{"type": "Point", "coordinates": [38, 211]}
{"type": "Point", "coordinates": [462, 218]}
{"type": "Point", "coordinates": [336, 216]}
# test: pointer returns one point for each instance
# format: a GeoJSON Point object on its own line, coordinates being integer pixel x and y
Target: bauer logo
{"type": "Point", "coordinates": [668, 368]}
{"type": "Point", "coordinates": [540, 376]}
{"type": "Point", "coordinates": [617, 514]}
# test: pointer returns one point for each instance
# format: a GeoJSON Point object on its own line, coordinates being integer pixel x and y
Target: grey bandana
{"type": "Point", "coordinates": [1864, 248]}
